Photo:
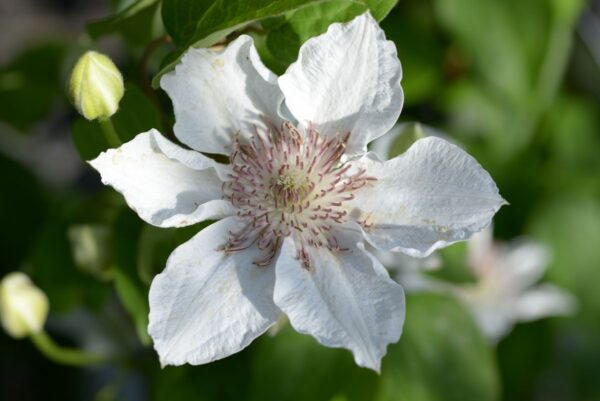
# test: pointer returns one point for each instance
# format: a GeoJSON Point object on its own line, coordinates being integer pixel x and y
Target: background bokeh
{"type": "Point", "coordinates": [516, 83]}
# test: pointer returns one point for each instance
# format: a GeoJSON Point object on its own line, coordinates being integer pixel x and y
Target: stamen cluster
{"type": "Point", "coordinates": [289, 184]}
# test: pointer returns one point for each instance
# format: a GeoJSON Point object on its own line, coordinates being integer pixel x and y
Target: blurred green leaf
{"type": "Point", "coordinates": [571, 130]}
{"type": "Point", "coordinates": [136, 115]}
{"type": "Point", "coordinates": [441, 356]}
{"type": "Point", "coordinates": [522, 355]}
{"type": "Point", "coordinates": [138, 23]}
{"type": "Point", "coordinates": [294, 367]}
{"type": "Point", "coordinates": [455, 268]}
{"type": "Point", "coordinates": [88, 138]}
{"type": "Point", "coordinates": [54, 270]}
{"type": "Point", "coordinates": [132, 292]}
{"type": "Point", "coordinates": [417, 38]}
{"type": "Point", "coordinates": [156, 244]}
{"type": "Point", "coordinates": [570, 225]}
{"type": "Point", "coordinates": [505, 39]}
{"type": "Point", "coordinates": [227, 379]}
{"type": "Point", "coordinates": [30, 85]}
{"type": "Point", "coordinates": [22, 207]}
{"type": "Point", "coordinates": [515, 54]}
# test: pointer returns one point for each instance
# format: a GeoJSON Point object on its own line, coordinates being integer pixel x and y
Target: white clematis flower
{"type": "Point", "coordinates": [504, 293]}
{"type": "Point", "coordinates": [298, 199]}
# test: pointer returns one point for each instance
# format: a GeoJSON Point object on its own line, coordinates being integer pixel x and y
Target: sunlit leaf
{"type": "Point", "coordinates": [203, 23]}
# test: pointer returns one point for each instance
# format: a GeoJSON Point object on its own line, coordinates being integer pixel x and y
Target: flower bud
{"type": "Point", "coordinates": [96, 86]}
{"type": "Point", "coordinates": [23, 306]}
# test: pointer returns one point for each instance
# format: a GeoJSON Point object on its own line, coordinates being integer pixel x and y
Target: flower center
{"type": "Point", "coordinates": [290, 188]}
{"type": "Point", "coordinates": [288, 184]}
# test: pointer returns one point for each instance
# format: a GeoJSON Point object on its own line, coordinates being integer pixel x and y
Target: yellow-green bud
{"type": "Point", "coordinates": [96, 86]}
{"type": "Point", "coordinates": [23, 306]}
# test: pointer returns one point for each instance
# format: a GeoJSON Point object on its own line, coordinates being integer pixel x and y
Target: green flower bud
{"type": "Point", "coordinates": [23, 306]}
{"type": "Point", "coordinates": [96, 86]}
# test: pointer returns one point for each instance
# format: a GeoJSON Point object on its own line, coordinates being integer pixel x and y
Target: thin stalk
{"type": "Point", "coordinates": [64, 355]}
{"type": "Point", "coordinates": [108, 129]}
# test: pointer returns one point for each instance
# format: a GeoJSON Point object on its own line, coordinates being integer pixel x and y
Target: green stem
{"type": "Point", "coordinates": [63, 355]}
{"type": "Point", "coordinates": [109, 132]}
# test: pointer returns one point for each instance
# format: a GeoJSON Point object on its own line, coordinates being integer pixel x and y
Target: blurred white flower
{"type": "Point", "coordinates": [505, 292]}
{"type": "Point", "coordinates": [298, 200]}
{"type": "Point", "coordinates": [23, 306]}
{"type": "Point", "coordinates": [408, 270]}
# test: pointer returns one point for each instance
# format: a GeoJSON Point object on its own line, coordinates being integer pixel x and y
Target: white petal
{"type": "Point", "coordinates": [401, 262]}
{"type": "Point", "coordinates": [217, 95]}
{"type": "Point", "coordinates": [343, 301]}
{"type": "Point", "coordinates": [520, 264]}
{"type": "Point", "coordinates": [494, 323]}
{"type": "Point", "coordinates": [481, 253]}
{"type": "Point", "coordinates": [429, 197]}
{"type": "Point", "coordinates": [207, 304]}
{"type": "Point", "coordinates": [166, 185]}
{"type": "Point", "coordinates": [543, 301]}
{"type": "Point", "coordinates": [347, 79]}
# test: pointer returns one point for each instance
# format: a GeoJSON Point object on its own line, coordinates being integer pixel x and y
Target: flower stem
{"type": "Point", "coordinates": [64, 355]}
{"type": "Point", "coordinates": [109, 132]}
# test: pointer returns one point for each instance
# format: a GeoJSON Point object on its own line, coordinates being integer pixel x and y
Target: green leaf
{"type": "Point", "coordinates": [226, 379]}
{"type": "Point", "coordinates": [441, 356]}
{"type": "Point", "coordinates": [138, 23]}
{"type": "Point", "coordinates": [136, 115]}
{"type": "Point", "coordinates": [488, 30]}
{"type": "Point", "coordinates": [572, 128]}
{"type": "Point", "coordinates": [515, 53]}
{"type": "Point", "coordinates": [22, 208]}
{"type": "Point", "coordinates": [284, 40]}
{"type": "Point", "coordinates": [319, 373]}
{"type": "Point", "coordinates": [131, 291]}
{"type": "Point", "coordinates": [568, 224]}
{"type": "Point", "coordinates": [204, 22]}
{"type": "Point", "coordinates": [88, 138]}
{"type": "Point", "coordinates": [30, 85]}
{"type": "Point", "coordinates": [53, 268]}
{"type": "Point", "coordinates": [411, 28]}
{"type": "Point", "coordinates": [156, 244]}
